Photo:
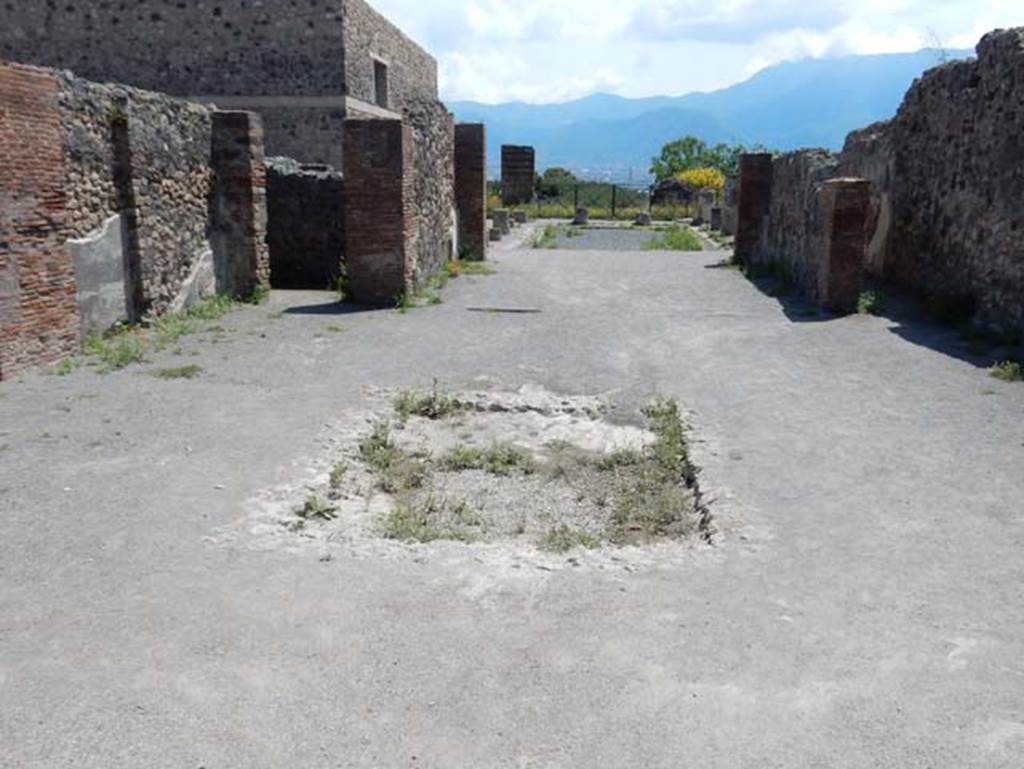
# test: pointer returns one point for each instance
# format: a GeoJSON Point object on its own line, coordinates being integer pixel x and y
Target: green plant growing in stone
{"type": "Point", "coordinates": [562, 539]}
{"type": "Point", "coordinates": [869, 303]}
{"type": "Point", "coordinates": [316, 508]}
{"type": "Point", "coordinates": [1008, 371]}
{"type": "Point", "coordinates": [432, 519]}
{"type": "Point", "coordinates": [547, 238]}
{"type": "Point", "coordinates": [117, 351]}
{"type": "Point", "coordinates": [477, 268]}
{"type": "Point", "coordinates": [396, 471]}
{"type": "Point", "coordinates": [337, 477]}
{"type": "Point", "coordinates": [66, 366]}
{"type": "Point", "coordinates": [190, 371]}
{"type": "Point", "coordinates": [435, 404]}
{"type": "Point", "coordinates": [343, 283]}
{"type": "Point", "coordinates": [674, 238]}
{"type": "Point", "coordinates": [499, 459]}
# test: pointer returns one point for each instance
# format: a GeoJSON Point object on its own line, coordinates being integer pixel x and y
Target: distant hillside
{"type": "Point", "coordinates": [808, 103]}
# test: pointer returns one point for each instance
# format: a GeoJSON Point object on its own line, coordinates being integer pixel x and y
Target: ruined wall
{"type": "Point", "coordinates": [306, 224]}
{"type": "Point", "coordinates": [471, 189]}
{"type": "Point", "coordinates": [793, 232]}
{"type": "Point", "coordinates": [154, 210]}
{"type": "Point", "coordinates": [958, 182]}
{"type": "Point", "coordinates": [868, 154]}
{"type": "Point", "coordinates": [433, 132]}
{"type": "Point", "coordinates": [227, 47]}
{"type": "Point", "coordinates": [38, 322]}
{"type": "Point", "coordinates": [412, 72]}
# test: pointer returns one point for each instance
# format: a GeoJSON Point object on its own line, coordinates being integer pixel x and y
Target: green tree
{"type": "Point", "coordinates": [678, 156]}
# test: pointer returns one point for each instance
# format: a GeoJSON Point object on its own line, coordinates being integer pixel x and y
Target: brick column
{"type": "Point", "coordinates": [755, 195]}
{"type": "Point", "coordinates": [518, 167]}
{"type": "Point", "coordinates": [846, 205]}
{"type": "Point", "coordinates": [38, 310]}
{"type": "Point", "coordinates": [379, 209]}
{"type": "Point", "coordinates": [471, 189]}
{"type": "Point", "coordinates": [238, 231]}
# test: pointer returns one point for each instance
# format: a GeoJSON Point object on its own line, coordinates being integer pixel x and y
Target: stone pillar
{"type": "Point", "coordinates": [379, 208]}
{"type": "Point", "coordinates": [471, 189]}
{"type": "Point", "coordinates": [755, 195]}
{"type": "Point", "coordinates": [502, 221]}
{"type": "Point", "coordinates": [517, 174]}
{"type": "Point", "coordinates": [38, 315]}
{"type": "Point", "coordinates": [716, 218]}
{"type": "Point", "coordinates": [846, 206]}
{"type": "Point", "coordinates": [238, 221]}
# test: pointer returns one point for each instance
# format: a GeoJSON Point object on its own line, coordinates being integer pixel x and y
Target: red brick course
{"type": "Point", "coordinates": [380, 239]}
{"type": "Point", "coordinates": [471, 189]}
{"type": "Point", "coordinates": [38, 317]}
{"type": "Point", "coordinates": [846, 205]}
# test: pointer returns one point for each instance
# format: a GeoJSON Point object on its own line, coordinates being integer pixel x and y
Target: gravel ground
{"type": "Point", "coordinates": [862, 604]}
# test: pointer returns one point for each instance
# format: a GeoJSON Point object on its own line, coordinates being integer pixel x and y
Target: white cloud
{"type": "Point", "coordinates": [548, 50]}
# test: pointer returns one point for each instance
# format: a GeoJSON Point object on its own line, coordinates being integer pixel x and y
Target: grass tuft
{"type": "Point", "coordinates": [562, 539]}
{"type": "Point", "coordinates": [1008, 371]}
{"type": "Point", "coordinates": [869, 303]}
{"type": "Point", "coordinates": [499, 459]}
{"type": "Point", "coordinates": [434, 405]}
{"type": "Point", "coordinates": [316, 508]}
{"type": "Point", "coordinates": [674, 238]}
{"type": "Point", "coordinates": [432, 519]}
{"type": "Point", "coordinates": [190, 371]}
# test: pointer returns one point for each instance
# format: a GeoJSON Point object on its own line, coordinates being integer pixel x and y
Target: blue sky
{"type": "Point", "coordinates": [552, 50]}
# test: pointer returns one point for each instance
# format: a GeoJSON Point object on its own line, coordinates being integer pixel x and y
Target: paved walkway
{"type": "Point", "coordinates": [863, 605]}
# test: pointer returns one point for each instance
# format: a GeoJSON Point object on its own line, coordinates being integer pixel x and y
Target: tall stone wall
{"type": "Point", "coordinates": [368, 36]}
{"type": "Point", "coordinates": [222, 48]}
{"type": "Point", "coordinates": [958, 182]}
{"type": "Point", "coordinates": [867, 154]}
{"type": "Point", "coordinates": [518, 169]}
{"type": "Point", "coordinates": [471, 189]}
{"type": "Point", "coordinates": [433, 133]}
{"type": "Point", "coordinates": [306, 224]}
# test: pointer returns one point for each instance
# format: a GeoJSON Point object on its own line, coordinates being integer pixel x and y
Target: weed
{"type": "Point", "coordinates": [66, 366]}
{"type": "Point", "coordinates": [477, 268]}
{"type": "Point", "coordinates": [404, 302]}
{"type": "Point", "coordinates": [619, 459]}
{"type": "Point", "coordinates": [396, 471]}
{"type": "Point", "coordinates": [316, 508]}
{"type": "Point", "coordinates": [674, 238]}
{"type": "Point", "coordinates": [435, 404]}
{"type": "Point", "coordinates": [432, 519]}
{"type": "Point", "coordinates": [869, 303]}
{"type": "Point", "coordinates": [335, 329]}
{"type": "Point", "coordinates": [338, 473]}
{"type": "Point", "coordinates": [729, 263]}
{"type": "Point", "coordinates": [259, 295]}
{"type": "Point", "coordinates": [547, 238]}
{"type": "Point", "coordinates": [117, 351]}
{"type": "Point", "coordinates": [190, 371]}
{"type": "Point", "coordinates": [1009, 371]}
{"type": "Point", "coordinates": [562, 539]}
{"type": "Point", "coordinates": [499, 459]}
{"type": "Point", "coordinates": [434, 299]}
{"type": "Point", "coordinates": [343, 283]}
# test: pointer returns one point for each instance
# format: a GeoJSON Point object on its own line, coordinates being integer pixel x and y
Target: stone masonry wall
{"type": "Point", "coordinates": [306, 224]}
{"type": "Point", "coordinates": [793, 234]}
{"type": "Point", "coordinates": [132, 227]}
{"type": "Point", "coordinates": [38, 321]}
{"type": "Point", "coordinates": [412, 72]}
{"type": "Point", "coordinates": [227, 47]}
{"type": "Point", "coordinates": [433, 132]}
{"type": "Point", "coordinates": [958, 182]}
{"type": "Point", "coordinates": [867, 154]}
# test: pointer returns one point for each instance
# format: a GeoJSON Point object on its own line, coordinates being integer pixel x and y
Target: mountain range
{"type": "Point", "coordinates": [807, 103]}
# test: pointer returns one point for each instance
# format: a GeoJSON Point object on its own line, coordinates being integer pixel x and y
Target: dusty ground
{"type": "Point", "coordinates": [861, 604]}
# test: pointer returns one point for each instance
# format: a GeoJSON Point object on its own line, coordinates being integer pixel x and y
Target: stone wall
{"type": "Point", "coordinates": [867, 154]}
{"type": "Point", "coordinates": [223, 48]}
{"type": "Point", "coordinates": [958, 182]}
{"type": "Point", "coordinates": [471, 189]}
{"type": "Point", "coordinates": [155, 208]}
{"type": "Point", "coordinates": [433, 132]}
{"type": "Point", "coordinates": [306, 224]}
{"type": "Point", "coordinates": [517, 174]}
{"type": "Point", "coordinates": [368, 36]}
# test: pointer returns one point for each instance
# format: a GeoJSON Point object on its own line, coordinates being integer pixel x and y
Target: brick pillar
{"type": "Point", "coordinates": [471, 189]}
{"type": "Point", "coordinates": [379, 208]}
{"type": "Point", "coordinates": [517, 174]}
{"type": "Point", "coordinates": [755, 195]}
{"type": "Point", "coordinates": [238, 219]}
{"type": "Point", "coordinates": [846, 205]}
{"type": "Point", "coordinates": [38, 310]}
